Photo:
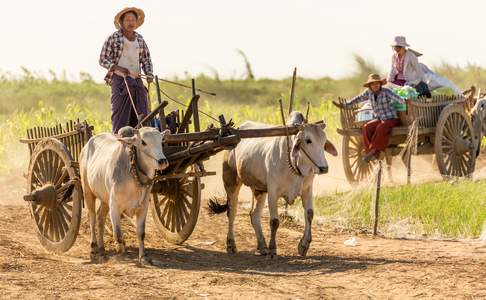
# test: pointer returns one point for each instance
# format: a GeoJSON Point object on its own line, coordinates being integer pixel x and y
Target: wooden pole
{"type": "Point", "coordinates": [163, 124]}
{"type": "Point", "coordinates": [377, 198]}
{"type": "Point", "coordinates": [409, 167]}
{"type": "Point", "coordinates": [307, 113]}
{"type": "Point", "coordinates": [281, 111]}
{"type": "Point", "coordinates": [195, 108]}
{"type": "Point", "coordinates": [292, 90]}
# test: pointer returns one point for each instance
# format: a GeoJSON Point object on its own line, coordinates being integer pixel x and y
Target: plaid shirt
{"type": "Point", "coordinates": [382, 103]}
{"type": "Point", "coordinates": [113, 47]}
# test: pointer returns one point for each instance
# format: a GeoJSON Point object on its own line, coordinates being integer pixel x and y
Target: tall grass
{"type": "Point", "coordinates": [435, 208]}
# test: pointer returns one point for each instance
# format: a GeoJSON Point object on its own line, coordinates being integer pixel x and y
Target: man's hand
{"type": "Point", "coordinates": [149, 78]}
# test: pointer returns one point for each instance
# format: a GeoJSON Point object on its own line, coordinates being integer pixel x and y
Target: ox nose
{"type": "Point", "coordinates": [163, 161]}
{"type": "Point", "coordinates": [323, 170]}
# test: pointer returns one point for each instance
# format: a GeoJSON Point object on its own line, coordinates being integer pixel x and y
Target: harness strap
{"type": "Point", "coordinates": [132, 102]}
{"type": "Point", "coordinates": [135, 170]}
{"type": "Point", "coordinates": [295, 170]}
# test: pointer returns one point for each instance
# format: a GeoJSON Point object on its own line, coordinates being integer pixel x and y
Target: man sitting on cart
{"type": "Point", "coordinates": [123, 53]}
{"type": "Point", "coordinates": [376, 133]}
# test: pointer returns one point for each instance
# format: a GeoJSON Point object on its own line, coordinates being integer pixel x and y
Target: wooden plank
{"type": "Point", "coordinates": [29, 136]}
{"type": "Point", "coordinates": [292, 90]}
{"type": "Point", "coordinates": [152, 114]}
{"type": "Point", "coordinates": [195, 108]}
{"type": "Point", "coordinates": [38, 137]}
{"type": "Point", "coordinates": [184, 125]}
{"type": "Point", "coordinates": [396, 131]}
{"type": "Point", "coordinates": [229, 140]}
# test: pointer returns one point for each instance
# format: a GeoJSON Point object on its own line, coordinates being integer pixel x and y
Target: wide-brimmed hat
{"type": "Point", "coordinates": [374, 78]}
{"type": "Point", "coordinates": [140, 16]}
{"type": "Point", "coordinates": [399, 41]}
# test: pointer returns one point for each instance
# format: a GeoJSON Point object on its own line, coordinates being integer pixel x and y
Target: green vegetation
{"type": "Point", "coordinates": [28, 100]}
{"type": "Point", "coordinates": [435, 208]}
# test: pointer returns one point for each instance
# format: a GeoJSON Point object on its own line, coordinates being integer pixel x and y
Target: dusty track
{"type": "Point", "coordinates": [375, 268]}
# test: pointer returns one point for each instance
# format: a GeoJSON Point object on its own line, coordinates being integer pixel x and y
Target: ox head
{"type": "Point", "coordinates": [309, 146]}
{"type": "Point", "coordinates": [148, 142]}
{"type": "Point", "coordinates": [478, 115]}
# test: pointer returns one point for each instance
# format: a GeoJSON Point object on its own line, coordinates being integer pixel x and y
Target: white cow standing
{"type": "Point", "coordinates": [119, 171]}
{"type": "Point", "coordinates": [263, 164]}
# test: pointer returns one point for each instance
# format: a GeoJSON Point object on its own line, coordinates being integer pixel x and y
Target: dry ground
{"type": "Point", "coordinates": [375, 268]}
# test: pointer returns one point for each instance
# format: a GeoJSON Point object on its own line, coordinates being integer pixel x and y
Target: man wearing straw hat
{"type": "Point", "coordinates": [124, 54]}
{"type": "Point", "coordinates": [376, 133]}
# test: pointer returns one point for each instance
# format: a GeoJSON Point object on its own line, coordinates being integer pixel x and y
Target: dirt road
{"type": "Point", "coordinates": [375, 268]}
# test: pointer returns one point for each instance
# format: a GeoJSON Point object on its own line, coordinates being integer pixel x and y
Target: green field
{"type": "Point", "coordinates": [458, 210]}
{"type": "Point", "coordinates": [439, 209]}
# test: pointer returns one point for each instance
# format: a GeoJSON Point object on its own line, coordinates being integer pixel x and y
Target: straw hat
{"type": "Point", "coordinates": [374, 78]}
{"type": "Point", "coordinates": [399, 41]}
{"type": "Point", "coordinates": [140, 16]}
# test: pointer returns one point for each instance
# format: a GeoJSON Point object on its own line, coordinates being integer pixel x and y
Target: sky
{"type": "Point", "coordinates": [193, 37]}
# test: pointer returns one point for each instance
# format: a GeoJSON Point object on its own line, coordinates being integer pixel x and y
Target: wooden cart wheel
{"type": "Point", "coordinates": [454, 143]}
{"type": "Point", "coordinates": [355, 169]}
{"type": "Point", "coordinates": [176, 208]}
{"type": "Point", "coordinates": [55, 194]}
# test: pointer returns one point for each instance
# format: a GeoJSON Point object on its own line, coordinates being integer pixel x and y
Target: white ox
{"type": "Point", "coordinates": [263, 165]}
{"type": "Point", "coordinates": [122, 184]}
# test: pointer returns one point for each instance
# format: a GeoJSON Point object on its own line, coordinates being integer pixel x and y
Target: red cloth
{"type": "Point", "coordinates": [399, 64]}
{"type": "Point", "coordinates": [376, 134]}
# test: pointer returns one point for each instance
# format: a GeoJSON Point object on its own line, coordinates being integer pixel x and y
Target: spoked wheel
{"type": "Point", "coordinates": [55, 195]}
{"type": "Point", "coordinates": [454, 143]}
{"type": "Point", "coordinates": [355, 169]}
{"type": "Point", "coordinates": [175, 207]}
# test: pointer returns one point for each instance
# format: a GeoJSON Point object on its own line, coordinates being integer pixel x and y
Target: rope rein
{"type": "Point", "coordinates": [135, 170]}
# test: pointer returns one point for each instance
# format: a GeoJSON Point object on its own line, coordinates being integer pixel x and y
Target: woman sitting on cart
{"type": "Point", "coordinates": [406, 69]}
{"type": "Point", "coordinates": [376, 133]}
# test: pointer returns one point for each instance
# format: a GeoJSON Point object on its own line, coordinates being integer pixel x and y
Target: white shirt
{"type": "Point", "coordinates": [130, 57]}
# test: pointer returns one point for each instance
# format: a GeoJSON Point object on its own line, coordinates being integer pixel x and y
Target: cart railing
{"type": "Point", "coordinates": [74, 135]}
{"type": "Point", "coordinates": [425, 110]}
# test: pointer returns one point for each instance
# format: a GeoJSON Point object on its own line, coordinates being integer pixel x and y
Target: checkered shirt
{"type": "Point", "coordinates": [112, 51]}
{"type": "Point", "coordinates": [382, 103]}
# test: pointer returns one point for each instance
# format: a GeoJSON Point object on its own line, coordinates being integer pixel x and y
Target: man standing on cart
{"type": "Point", "coordinates": [376, 133]}
{"type": "Point", "coordinates": [124, 54]}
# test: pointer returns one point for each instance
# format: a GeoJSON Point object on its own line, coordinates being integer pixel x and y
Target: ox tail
{"type": "Point", "coordinates": [215, 207]}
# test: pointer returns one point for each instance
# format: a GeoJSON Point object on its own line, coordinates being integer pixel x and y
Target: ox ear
{"type": "Point", "coordinates": [322, 125]}
{"type": "Point", "coordinates": [165, 132]}
{"type": "Point", "coordinates": [329, 148]}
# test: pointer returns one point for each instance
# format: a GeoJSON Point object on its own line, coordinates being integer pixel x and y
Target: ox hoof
{"type": "Point", "coordinates": [93, 256]}
{"type": "Point", "coordinates": [231, 246]}
{"type": "Point", "coordinates": [120, 248]}
{"type": "Point", "coordinates": [144, 261]}
{"type": "Point", "coordinates": [231, 249]}
{"type": "Point", "coordinates": [262, 252]}
{"type": "Point", "coordinates": [272, 253]}
{"type": "Point", "coordinates": [302, 248]}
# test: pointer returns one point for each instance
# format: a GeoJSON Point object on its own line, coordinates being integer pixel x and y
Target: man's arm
{"type": "Point", "coordinates": [360, 98]}
{"type": "Point", "coordinates": [394, 98]}
{"type": "Point", "coordinates": [106, 54]}
{"type": "Point", "coordinates": [146, 60]}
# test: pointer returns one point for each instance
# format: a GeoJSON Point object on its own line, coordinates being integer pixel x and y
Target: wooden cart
{"type": "Point", "coordinates": [440, 125]}
{"type": "Point", "coordinates": [54, 192]}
